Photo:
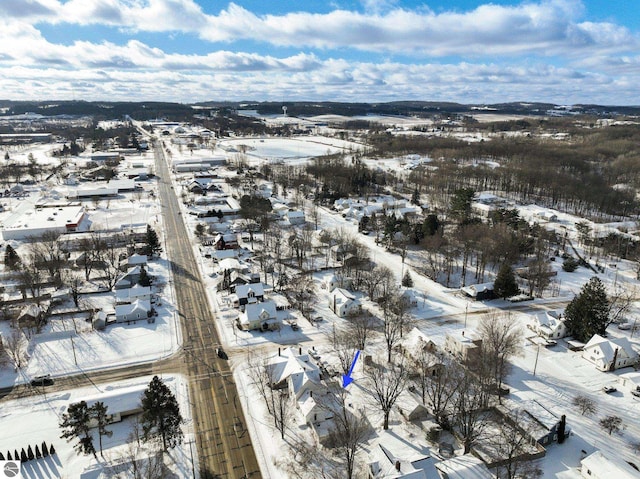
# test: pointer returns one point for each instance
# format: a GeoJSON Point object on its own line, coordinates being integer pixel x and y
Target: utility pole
{"type": "Point", "coordinates": [535, 366]}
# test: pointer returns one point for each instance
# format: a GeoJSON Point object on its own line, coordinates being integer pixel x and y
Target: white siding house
{"type": "Point", "coordinates": [609, 354]}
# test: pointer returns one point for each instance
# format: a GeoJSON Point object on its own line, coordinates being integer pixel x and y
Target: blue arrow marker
{"type": "Point", "coordinates": [346, 378]}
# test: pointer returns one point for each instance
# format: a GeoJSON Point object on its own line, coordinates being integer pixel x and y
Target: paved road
{"type": "Point", "coordinates": [223, 442]}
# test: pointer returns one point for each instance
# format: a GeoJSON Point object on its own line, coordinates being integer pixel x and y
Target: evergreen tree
{"type": "Point", "coordinates": [505, 284]}
{"type": "Point", "coordinates": [153, 247]}
{"type": "Point", "coordinates": [45, 450]}
{"type": "Point", "coordinates": [75, 425]}
{"type": "Point", "coordinates": [23, 456]}
{"type": "Point", "coordinates": [15, 455]}
{"type": "Point", "coordinates": [588, 312]}
{"type": "Point", "coordinates": [38, 453]}
{"type": "Point", "coordinates": [415, 197]}
{"type": "Point", "coordinates": [11, 258]}
{"type": "Point", "coordinates": [52, 450]}
{"type": "Point", "coordinates": [2, 457]}
{"type": "Point", "coordinates": [145, 279]}
{"type": "Point", "coordinates": [9, 457]}
{"type": "Point", "coordinates": [30, 453]}
{"type": "Point", "coordinates": [161, 414]}
{"type": "Point", "coordinates": [99, 413]}
{"type": "Point", "coordinates": [461, 204]}
{"type": "Point", "coordinates": [407, 280]}
{"type": "Point", "coordinates": [430, 225]}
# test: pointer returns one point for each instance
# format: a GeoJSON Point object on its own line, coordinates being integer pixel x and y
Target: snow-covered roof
{"type": "Point", "coordinates": [466, 466]}
{"type": "Point", "coordinates": [255, 310]}
{"type": "Point", "coordinates": [395, 458]}
{"type": "Point", "coordinates": [243, 290]}
{"type": "Point", "coordinates": [602, 467]}
{"type": "Point", "coordinates": [289, 363]}
{"type": "Point", "coordinates": [141, 305]}
{"type": "Point", "coordinates": [608, 346]}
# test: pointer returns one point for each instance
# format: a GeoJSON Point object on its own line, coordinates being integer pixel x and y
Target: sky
{"type": "Point", "coordinates": [468, 51]}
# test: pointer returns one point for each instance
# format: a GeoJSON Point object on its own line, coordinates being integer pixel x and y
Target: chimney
{"type": "Point", "coordinates": [615, 358]}
{"type": "Point", "coordinates": [278, 351]}
{"type": "Point", "coordinates": [300, 350]}
{"type": "Point", "coordinates": [398, 466]}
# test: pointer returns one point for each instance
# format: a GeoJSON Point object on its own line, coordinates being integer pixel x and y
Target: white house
{"type": "Point", "coordinates": [395, 458]}
{"type": "Point", "coordinates": [609, 354]}
{"type": "Point", "coordinates": [465, 347]}
{"type": "Point", "coordinates": [342, 302]}
{"type": "Point", "coordinates": [296, 371]}
{"type": "Point", "coordinates": [139, 309]}
{"type": "Point", "coordinates": [550, 324]}
{"type": "Point", "coordinates": [130, 295]}
{"type": "Point", "coordinates": [466, 466]}
{"type": "Point", "coordinates": [294, 217]}
{"type": "Point", "coordinates": [599, 466]}
{"type": "Point", "coordinates": [258, 316]}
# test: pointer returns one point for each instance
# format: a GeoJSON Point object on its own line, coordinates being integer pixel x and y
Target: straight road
{"type": "Point", "coordinates": [223, 442]}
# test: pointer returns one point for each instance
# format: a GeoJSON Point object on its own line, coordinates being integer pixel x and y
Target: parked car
{"type": "Point", "coordinates": [550, 343]}
{"type": "Point", "coordinates": [45, 380]}
{"type": "Point", "coordinates": [609, 389]}
{"type": "Point", "coordinates": [221, 353]}
{"type": "Point", "coordinates": [636, 392]}
{"type": "Point", "coordinates": [624, 326]}
{"type": "Point", "coordinates": [295, 326]}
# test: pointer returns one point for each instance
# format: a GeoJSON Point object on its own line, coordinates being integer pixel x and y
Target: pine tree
{"type": "Point", "coordinates": [161, 414]}
{"type": "Point", "coordinates": [45, 450]}
{"type": "Point", "coordinates": [15, 455]}
{"type": "Point", "coordinates": [1, 457]}
{"type": "Point", "coordinates": [99, 413]}
{"type": "Point", "coordinates": [415, 197]}
{"type": "Point", "coordinates": [588, 312]}
{"type": "Point", "coordinates": [23, 456]}
{"type": "Point", "coordinates": [505, 284]}
{"type": "Point", "coordinates": [407, 280]}
{"type": "Point", "coordinates": [30, 453]}
{"type": "Point", "coordinates": [9, 457]}
{"type": "Point", "coordinates": [153, 247]}
{"type": "Point", "coordinates": [145, 279]}
{"type": "Point", "coordinates": [38, 453]}
{"type": "Point", "coordinates": [52, 450]}
{"type": "Point", "coordinates": [11, 258]}
{"type": "Point", "coordinates": [75, 425]}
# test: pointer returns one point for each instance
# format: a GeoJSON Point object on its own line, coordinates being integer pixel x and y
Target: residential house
{"type": "Point", "coordinates": [258, 316]}
{"type": "Point", "coordinates": [294, 217]}
{"type": "Point", "coordinates": [479, 292]}
{"type": "Point", "coordinates": [139, 309]}
{"type": "Point", "coordinates": [121, 403]}
{"type": "Point", "coordinates": [248, 293]}
{"type": "Point", "coordinates": [295, 371]}
{"type": "Point", "coordinates": [550, 324]}
{"type": "Point", "coordinates": [129, 279]}
{"type": "Point", "coordinates": [466, 466]}
{"type": "Point", "coordinates": [609, 354]}
{"type": "Point", "coordinates": [136, 260]}
{"type": "Point", "coordinates": [539, 422]}
{"type": "Point", "coordinates": [343, 303]}
{"type": "Point", "coordinates": [130, 295]}
{"type": "Point", "coordinates": [226, 241]}
{"type": "Point", "coordinates": [396, 458]}
{"type": "Point", "coordinates": [464, 347]}
{"type": "Point", "coordinates": [31, 315]}
{"type": "Point", "coordinates": [599, 466]}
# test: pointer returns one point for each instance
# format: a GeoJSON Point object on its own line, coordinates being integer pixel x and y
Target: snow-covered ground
{"type": "Point", "coordinates": [560, 374]}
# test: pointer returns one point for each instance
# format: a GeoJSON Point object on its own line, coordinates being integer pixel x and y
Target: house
{"type": "Point", "coordinates": [226, 241]}
{"type": "Point", "coordinates": [337, 281]}
{"type": "Point", "coordinates": [539, 422]}
{"type": "Point", "coordinates": [464, 347]}
{"type": "Point", "coordinates": [137, 260]}
{"type": "Point", "coordinates": [395, 458]}
{"type": "Point", "coordinates": [343, 303]}
{"type": "Point", "coordinates": [130, 295]}
{"type": "Point", "coordinates": [466, 466]}
{"type": "Point", "coordinates": [248, 293]}
{"type": "Point", "coordinates": [550, 324]}
{"type": "Point", "coordinates": [121, 403]}
{"type": "Point", "coordinates": [129, 279]}
{"type": "Point", "coordinates": [415, 342]}
{"type": "Point", "coordinates": [290, 363]}
{"type": "Point", "coordinates": [32, 314]}
{"type": "Point", "coordinates": [609, 354]}
{"type": "Point", "coordinates": [258, 316]}
{"type": "Point", "coordinates": [139, 309]}
{"type": "Point", "coordinates": [410, 406]}
{"type": "Point", "coordinates": [599, 466]}
{"type": "Point", "coordinates": [630, 381]}
{"type": "Point", "coordinates": [479, 292]}
{"type": "Point", "coordinates": [294, 217]}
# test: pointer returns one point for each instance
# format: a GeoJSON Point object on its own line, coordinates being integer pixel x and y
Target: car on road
{"type": "Point", "coordinates": [609, 389]}
{"type": "Point", "coordinates": [295, 326]}
{"type": "Point", "coordinates": [45, 380]}
{"type": "Point", "coordinates": [635, 392]}
{"type": "Point", "coordinates": [624, 326]}
{"type": "Point", "coordinates": [221, 353]}
{"type": "Point", "coordinates": [550, 343]}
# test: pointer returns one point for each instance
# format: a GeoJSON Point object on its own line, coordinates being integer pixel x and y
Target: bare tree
{"type": "Point", "coordinates": [386, 386]}
{"type": "Point", "coordinates": [611, 424]}
{"type": "Point", "coordinates": [501, 340]}
{"type": "Point", "coordinates": [360, 325]}
{"type": "Point", "coordinates": [110, 263]}
{"type": "Point", "coordinates": [440, 388]}
{"type": "Point", "coordinates": [342, 344]}
{"type": "Point", "coordinates": [348, 433]}
{"type": "Point", "coordinates": [374, 279]}
{"type": "Point", "coordinates": [585, 405]}
{"type": "Point", "coordinates": [47, 252]}
{"type": "Point", "coordinates": [470, 418]}
{"type": "Point", "coordinates": [396, 322]}
{"type": "Point", "coordinates": [513, 446]}
{"type": "Point", "coordinates": [302, 294]}
{"type": "Point", "coordinates": [14, 344]}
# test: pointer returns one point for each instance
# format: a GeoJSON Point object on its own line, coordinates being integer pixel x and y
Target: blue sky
{"type": "Point", "coordinates": [559, 51]}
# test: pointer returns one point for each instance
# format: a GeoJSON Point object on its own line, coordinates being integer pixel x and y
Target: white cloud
{"type": "Point", "coordinates": [548, 27]}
